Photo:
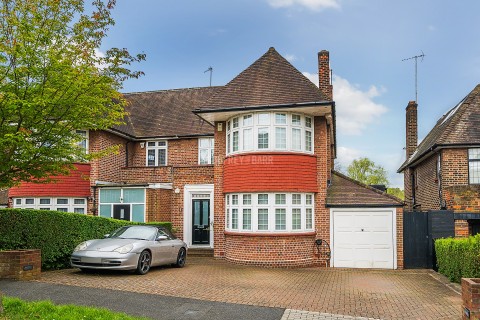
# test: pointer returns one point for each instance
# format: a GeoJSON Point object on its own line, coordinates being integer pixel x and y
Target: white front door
{"type": "Point", "coordinates": [363, 238]}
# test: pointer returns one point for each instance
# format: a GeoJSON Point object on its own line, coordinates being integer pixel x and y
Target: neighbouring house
{"type": "Point", "coordinates": [245, 169]}
{"type": "Point", "coordinates": [443, 171]}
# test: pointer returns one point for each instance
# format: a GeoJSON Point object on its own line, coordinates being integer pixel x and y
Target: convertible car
{"type": "Point", "coordinates": [131, 248]}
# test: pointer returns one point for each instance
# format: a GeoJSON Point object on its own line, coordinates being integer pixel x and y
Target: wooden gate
{"type": "Point", "coordinates": [420, 229]}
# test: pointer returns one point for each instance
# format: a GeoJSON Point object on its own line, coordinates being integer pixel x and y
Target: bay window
{"type": "Point", "coordinates": [270, 131]}
{"type": "Point", "coordinates": [269, 212]}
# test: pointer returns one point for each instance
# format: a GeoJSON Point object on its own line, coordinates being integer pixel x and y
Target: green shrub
{"type": "Point", "coordinates": [55, 233]}
{"type": "Point", "coordinates": [458, 258]}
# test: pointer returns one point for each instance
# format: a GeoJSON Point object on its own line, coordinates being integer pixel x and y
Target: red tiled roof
{"type": "Point", "coordinates": [344, 191]}
{"type": "Point", "coordinates": [271, 80]}
{"type": "Point", "coordinates": [77, 184]}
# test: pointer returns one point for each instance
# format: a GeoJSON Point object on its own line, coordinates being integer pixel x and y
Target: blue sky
{"type": "Point", "coordinates": [367, 40]}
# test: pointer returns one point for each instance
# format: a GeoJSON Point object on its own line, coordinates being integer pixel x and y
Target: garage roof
{"type": "Point", "coordinates": [346, 192]}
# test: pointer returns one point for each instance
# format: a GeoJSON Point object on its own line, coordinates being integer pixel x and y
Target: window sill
{"type": "Point", "coordinates": [270, 234]}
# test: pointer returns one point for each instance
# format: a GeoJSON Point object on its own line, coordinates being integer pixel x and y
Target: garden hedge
{"type": "Point", "coordinates": [55, 233]}
{"type": "Point", "coordinates": [458, 258]}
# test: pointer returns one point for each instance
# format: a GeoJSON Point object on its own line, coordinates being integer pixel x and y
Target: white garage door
{"type": "Point", "coordinates": [363, 238]}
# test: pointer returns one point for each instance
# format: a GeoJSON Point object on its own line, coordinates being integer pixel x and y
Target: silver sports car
{"type": "Point", "coordinates": [131, 248]}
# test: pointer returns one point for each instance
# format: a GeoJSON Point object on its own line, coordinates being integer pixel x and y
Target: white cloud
{"type": "Point", "coordinates": [355, 109]}
{"type": "Point", "coordinates": [345, 156]}
{"type": "Point", "coordinates": [315, 5]}
{"type": "Point", "coordinates": [290, 57]}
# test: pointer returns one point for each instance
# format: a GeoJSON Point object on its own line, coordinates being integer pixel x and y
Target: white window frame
{"type": "Point", "coordinates": [209, 149]}
{"type": "Point", "coordinates": [122, 202]}
{"type": "Point", "coordinates": [271, 127]}
{"type": "Point", "coordinates": [156, 147]}
{"type": "Point", "coordinates": [473, 178]}
{"type": "Point", "coordinates": [70, 206]}
{"type": "Point", "coordinates": [86, 139]}
{"type": "Point", "coordinates": [271, 206]}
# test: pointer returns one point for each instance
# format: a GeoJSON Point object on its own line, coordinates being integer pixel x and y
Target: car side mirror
{"type": "Point", "coordinates": [159, 238]}
{"type": "Point", "coordinates": [106, 235]}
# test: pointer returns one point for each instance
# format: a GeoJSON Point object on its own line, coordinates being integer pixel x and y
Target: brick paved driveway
{"type": "Point", "coordinates": [408, 294]}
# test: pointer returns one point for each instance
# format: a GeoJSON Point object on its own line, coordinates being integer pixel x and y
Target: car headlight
{"type": "Point", "coordinates": [124, 249]}
{"type": "Point", "coordinates": [81, 246]}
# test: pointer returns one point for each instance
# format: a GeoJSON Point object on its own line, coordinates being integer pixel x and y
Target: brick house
{"type": "Point", "coordinates": [245, 169]}
{"type": "Point", "coordinates": [443, 171]}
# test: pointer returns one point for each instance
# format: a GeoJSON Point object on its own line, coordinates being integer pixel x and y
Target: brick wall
{"type": "Point", "coordinates": [20, 264]}
{"type": "Point", "coordinates": [321, 150]}
{"type": "Point", "coordinates": [399, 213]}
{"type": "Point", "coordinates": [427, 185]}
{"type": "Point", "coordinates": [219, 197]}
{"type": "Point", "coordinates": [266, 250]}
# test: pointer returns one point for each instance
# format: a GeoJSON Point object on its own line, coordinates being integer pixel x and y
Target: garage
{"type": "Point", "coordinates": [363, 238]}
{"type": "Point", "coordinates": [366, 225]}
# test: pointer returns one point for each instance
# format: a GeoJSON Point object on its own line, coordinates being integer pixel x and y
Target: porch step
{"type": "Point", "coordinates": [200, 252]}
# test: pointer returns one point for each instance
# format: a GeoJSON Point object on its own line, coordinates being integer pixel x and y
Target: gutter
{"type": "Point", "coordinates": [269, 106]}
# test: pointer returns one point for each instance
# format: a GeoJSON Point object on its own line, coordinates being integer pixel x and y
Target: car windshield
{"type": "Point", "coordinates": [136, 232]}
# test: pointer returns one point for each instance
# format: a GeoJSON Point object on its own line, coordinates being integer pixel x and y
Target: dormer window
{"type": "Point", "coordinates": [156, 153]}
{"type": "Point", "coordinates": [270, 131]}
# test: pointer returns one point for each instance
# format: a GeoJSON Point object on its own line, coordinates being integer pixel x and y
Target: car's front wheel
{"type": "Point", "coordinates": [144, 262]}
{"type": "Point", "coordinates": [181, 258]}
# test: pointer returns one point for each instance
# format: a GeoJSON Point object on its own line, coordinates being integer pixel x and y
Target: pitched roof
{"type": "Point", "coordinates": [346, 192]}
{"type": "Point", "coordinates": [165, 113]}
{"type": "Point", "coordinates": [271, 80]}
{"type": "Point", "coordinates": [459, 126]}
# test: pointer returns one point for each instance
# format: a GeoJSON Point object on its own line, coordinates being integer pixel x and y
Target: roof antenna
{"type": "Point", "coordinates": [211, 71]}
{"type": "Point", "coordinates": [416, 83]}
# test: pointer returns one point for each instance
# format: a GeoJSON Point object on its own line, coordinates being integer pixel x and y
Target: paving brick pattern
{"type": "Point", "coordinates": [390, 294]}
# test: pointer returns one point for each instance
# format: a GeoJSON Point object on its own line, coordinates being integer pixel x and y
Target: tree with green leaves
{"type": "Point", "coordinates": [54, 81]}
{"type": "Point", "coordinates": [367, 172]}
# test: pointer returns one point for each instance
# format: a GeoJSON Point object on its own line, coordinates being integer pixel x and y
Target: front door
{"type": "Point", "coordinates": [201, 221]}
{"type": "Point", "coordinates": [121, 211]}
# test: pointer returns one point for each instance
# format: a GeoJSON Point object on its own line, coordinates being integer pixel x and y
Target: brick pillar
{"type": "Point", "coordinates": [324, 81]}
{"type": "Point", "coordinates": [470, 298]}
{"type": "Point", "coordinates": [24, 264]}
{"type": "Point", "coordinates": [219, 197]}
{"type": "Point", "coordinates": [322, 149]}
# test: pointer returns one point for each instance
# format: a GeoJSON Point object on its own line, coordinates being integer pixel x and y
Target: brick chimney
{"type": "Point", "coordinates": [411, 128]}
{"type": "Point", "coordinates": [324, 81]}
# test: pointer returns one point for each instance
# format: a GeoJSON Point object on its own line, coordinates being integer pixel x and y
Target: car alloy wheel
{"type": "Point", "coordinates": [182, 256]}
{"type": "Point", "coordinates": [144, 262]}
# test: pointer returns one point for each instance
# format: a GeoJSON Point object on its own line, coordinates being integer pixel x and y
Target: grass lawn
{"type": "Point", "coordinates": [16, 309]}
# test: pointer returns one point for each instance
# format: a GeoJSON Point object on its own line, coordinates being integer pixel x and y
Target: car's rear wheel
{"type": "Point", "coordinates": [181, 258]}
{"type": "Point", "coordinates": [144, 262]}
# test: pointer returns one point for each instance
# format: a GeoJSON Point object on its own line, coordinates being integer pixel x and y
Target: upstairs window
{"type": "Point", "coordinates": [83, 143]}
{"type": "Point", "coordinates": [474, 165]}
{"type": "Point", "coordinates": [156, 153]}
{"type": "Point", "coordinates": [270, 131]}
{"type": "Point", "coordinates": [205, 150]}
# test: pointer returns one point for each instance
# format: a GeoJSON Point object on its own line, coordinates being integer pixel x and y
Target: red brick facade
{"type": "Point", "coordinates": [448, 189]}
